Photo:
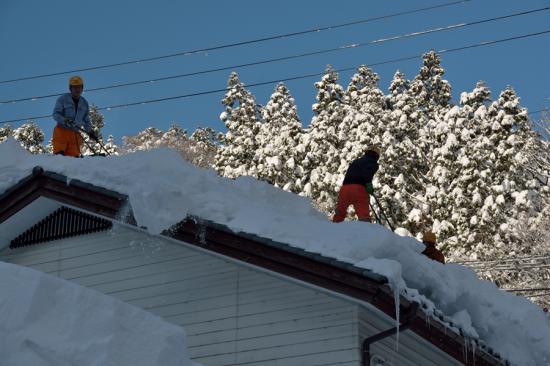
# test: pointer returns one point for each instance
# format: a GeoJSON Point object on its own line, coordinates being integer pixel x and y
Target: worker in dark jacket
{"type": "Point", "coordinates": [431, 250]}
{"type": "Point", "coordinates": [357, 186]}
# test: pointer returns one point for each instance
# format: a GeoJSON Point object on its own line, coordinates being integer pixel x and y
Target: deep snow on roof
{"type": "Point", "coordinates": [47, 321]}
{"type": "Point", "coordinates": [163, 189]}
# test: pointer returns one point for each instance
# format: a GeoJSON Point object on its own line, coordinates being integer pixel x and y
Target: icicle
{"type": "Point", "coordinates": [124, 213]}
{"type": "Point", "coordinates": [465, 351]}
{"type": "Point", "coordinates": [201, 233]}
{"type": "Point", "coordinates": [397, 320]}
{"type": "Point", "coordinates": [474, 346]}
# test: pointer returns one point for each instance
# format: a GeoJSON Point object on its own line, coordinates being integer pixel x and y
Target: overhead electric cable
{"type": "Point", "coordinates": [540, 111]}
{"type": "Point", "coordinates": [236, 44]}
{"type": "Point", "coordinates": [527, 289]}
{"type": "Point", "coordinates": [290, 57]}
{"type": "Point", "coordinates": [520, 258]}
{"type": "Point", "coordinates": [509, 259]}
{"type": "Point", "coordinates": [149, 101]}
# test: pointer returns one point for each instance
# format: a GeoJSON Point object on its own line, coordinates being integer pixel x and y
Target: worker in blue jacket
{"type": "Point", "coordinates": [72, 115]}
{"type": "Point", "coordinates": [357, 186]}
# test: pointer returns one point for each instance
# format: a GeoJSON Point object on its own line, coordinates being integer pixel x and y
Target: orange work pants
{"type": "Point", "coordinates": [356, 195]}
{"type": "Point", "coordinates": [66, 141]}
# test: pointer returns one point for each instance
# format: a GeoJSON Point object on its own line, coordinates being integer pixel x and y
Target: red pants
{"type": "Point", "coordinates": [356, 195]}
{"type": "Point", "coordinates": [66, 141]}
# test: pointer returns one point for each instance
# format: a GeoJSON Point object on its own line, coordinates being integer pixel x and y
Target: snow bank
{"type": "Point", "coordinates": [163, 189]}
{"type": "Point", "coordinates": [46, 321]}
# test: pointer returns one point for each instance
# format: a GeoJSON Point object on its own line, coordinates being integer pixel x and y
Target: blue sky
{"type": "Point", "coordinates": [48, 36]}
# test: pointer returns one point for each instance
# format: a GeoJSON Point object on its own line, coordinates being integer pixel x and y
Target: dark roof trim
{"type": "Point", "coordinates": [281, 258]}
{"type": "Point", "coordinates": [327, 273]}
{"type": "Point", "coordinates": [70, 192]}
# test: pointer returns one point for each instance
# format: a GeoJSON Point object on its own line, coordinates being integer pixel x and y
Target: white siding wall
{"type": "Point", "coordinates": [232, 315]}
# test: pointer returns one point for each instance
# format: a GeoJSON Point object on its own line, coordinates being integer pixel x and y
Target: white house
{"type": "Point", "coordinates": [242, 299]}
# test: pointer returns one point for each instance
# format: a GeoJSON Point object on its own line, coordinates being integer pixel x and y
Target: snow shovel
{"type": "Point", "coordinates": [107, 153]}
{"type": "Point", "coordinates": [81, 130]}
{"type": "Point", "coordinates": [383, 213]}
{"type": "Point", "coordinates": [376, 217]}
{"type": "Point", "coordinates": [94, 151]}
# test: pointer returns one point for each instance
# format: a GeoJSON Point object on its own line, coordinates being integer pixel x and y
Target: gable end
{"type": "Point", "coordinates": [62, 223]}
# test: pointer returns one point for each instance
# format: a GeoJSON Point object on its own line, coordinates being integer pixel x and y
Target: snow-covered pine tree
{"type": "Point", "coordinates": [432, 96]}
{"type": "Point", "coordinates": [174, 137]}
{"type": "Point", "coordinates": [177, 138]}
{"type": "Point", "coordinates": [147, 139]}
{"type": "Point", "coordinates": [278, 161]}
{"type": "Point", "coordinates": [153, 138]}
{"type": "Point", "coordinates": [199, 149]}
{"type": "Point", "coordinates": [516, 193]}
{"type": "Point", "coordinates": [459, 174]}
{"type": "Point", "coordinates": [539, 160]}
{"type": "Point", "coordinates": [97, 119]}
{"type": "Point", "coordinates": [531, 270]}
{"type": "Point", "coordinates": [206, 135]}
{"type": "Point", "coordinates": [111, 147]}
{"type": "Point", "coordinates": [204, 143]}
{"type": "Point", "coordinates": [363, 88]}
{"type": "Point", "coordinates": [400, 181]}
{"type": "Point", "coordinates": [363, 125]}
{"type": "Point", "coordinates": [446, 197]}
{"type": "Point", "coordinates": [488, 190]}
{"type": "Point", "coordinates": [322, 145]}
{"type": "Point", "coordinates": [502, 228]}
{"type": "Point", "coordinates": [5, 132]}
{"type": "Point", "coordinates": [430, 89]}
{"type": "Point", "coordinates": [31, 137]}
{"type": "Point", "coordinates": [236, 157]}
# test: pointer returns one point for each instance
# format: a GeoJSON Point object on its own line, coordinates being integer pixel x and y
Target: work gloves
{"type": "Point", "coordinates": [68, 122]}
{"type": "Point", "coordinates": [370, 188]}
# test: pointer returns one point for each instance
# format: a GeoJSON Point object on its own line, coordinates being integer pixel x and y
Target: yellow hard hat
{"type": "Point", "coordinates": [76, 81]}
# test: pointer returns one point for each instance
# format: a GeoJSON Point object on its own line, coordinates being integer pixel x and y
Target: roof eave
{"type": "Point", "coordinates": [281, 258]}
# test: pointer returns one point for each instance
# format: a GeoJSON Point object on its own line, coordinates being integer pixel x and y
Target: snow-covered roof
{"type": "Point", "coordinates": [163, 190]}
{"type": "Point", "coordinates": [47, 321]}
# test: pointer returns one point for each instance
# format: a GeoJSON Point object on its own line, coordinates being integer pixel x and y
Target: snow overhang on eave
{"type": "Point", "coordinates": [333, 275]}
{"type": "Point", "coordinates": [280, 258]}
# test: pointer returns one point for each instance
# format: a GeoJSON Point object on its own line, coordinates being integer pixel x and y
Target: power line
{"type": "Point", "coordinates": [525, 257]}
{"type": "Point", "coordinates": [513, 269]}
{"type": "Point", "coordinates": [532, 295]}
{"type": "Point", "coordinates": [242, 43]}
{"type": "Point", "coordinates": [512, 266]}
{"type": "Point", "coordinates": [527, 269]}
{"type": "Point", "coordinates": [504, 266]}
{"type": "Point", "coordinates": [540, 295]}
{"type": "Point", "coordinates": [522, 268]}
{"type": "Point", "coordinates": [292, 57]}
{"type": "Point", "coordinates": [449, 50]}
{"type": "Point", "coordinates": [503, 260]}
{"type": "Point", "coordinates": [527, 289]}
{"type": "Point", "coordinates": [540, 111]}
